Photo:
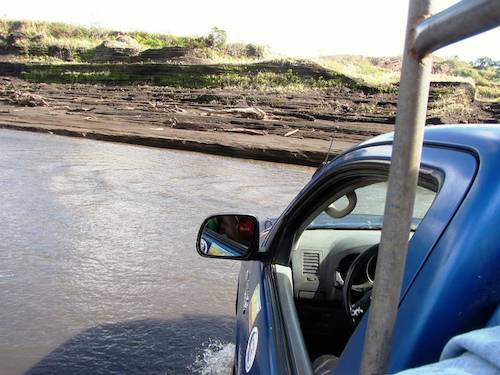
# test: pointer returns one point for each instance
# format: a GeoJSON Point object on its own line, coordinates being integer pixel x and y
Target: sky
{"type": "Point", "coordinates": [304, 28]}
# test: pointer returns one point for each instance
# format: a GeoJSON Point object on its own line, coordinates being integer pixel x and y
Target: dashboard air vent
{"type": "Point", "coordinates": [310, 263]}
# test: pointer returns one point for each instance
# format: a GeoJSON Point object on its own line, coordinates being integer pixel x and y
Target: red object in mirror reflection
{"type": "Point", "coordinates": [246, 228]}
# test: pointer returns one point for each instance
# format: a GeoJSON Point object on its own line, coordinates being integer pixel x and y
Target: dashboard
{"type": "Point", "coordinates": [322, 257]}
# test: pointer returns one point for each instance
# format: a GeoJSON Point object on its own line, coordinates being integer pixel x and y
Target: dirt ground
{"type": "Point", "coordinates": [284, 127]}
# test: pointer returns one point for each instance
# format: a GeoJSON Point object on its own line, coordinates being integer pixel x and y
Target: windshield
{"type": "Point", "coordinates": [368, 212]}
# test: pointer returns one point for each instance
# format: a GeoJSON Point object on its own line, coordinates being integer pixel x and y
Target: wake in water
{"type": "Point", "coordinates": [216, 359]}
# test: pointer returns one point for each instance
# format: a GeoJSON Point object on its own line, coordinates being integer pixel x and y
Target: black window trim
{"type": "Point", "coordinates": [336, 179]}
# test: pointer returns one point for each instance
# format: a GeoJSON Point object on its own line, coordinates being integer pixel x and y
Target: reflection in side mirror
{"type": "Point", "coordinates": [228, 236]}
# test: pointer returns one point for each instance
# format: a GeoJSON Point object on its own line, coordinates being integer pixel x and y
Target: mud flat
{"type": "Point", "coordinates": [289, 127]}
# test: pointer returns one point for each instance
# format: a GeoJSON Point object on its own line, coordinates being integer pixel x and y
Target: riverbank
{"type": "Point", "coordinates": [204, 94]}
{"type": "Point", "coordinates": [283, 126]}
{"type": "Point", "coordinates": [269, 148]}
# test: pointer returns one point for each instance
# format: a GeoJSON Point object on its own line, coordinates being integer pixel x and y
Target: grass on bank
{"type": "Point", "coordinates": [288, 81]}
{"type": "Point", "coordinates": [361, 68]}
{"type": "Point", "coordinates": [380, 73]}
{"type": "Point", "coordinates": [32, 35]}
{"type": "Point", "coordinates": [385, 71]}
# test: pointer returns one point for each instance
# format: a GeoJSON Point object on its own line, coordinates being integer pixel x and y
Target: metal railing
{"type": "Point", "coordinates": [424, 34]}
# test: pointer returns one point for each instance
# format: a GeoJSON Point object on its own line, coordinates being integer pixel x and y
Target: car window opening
{"type": "Point", "coordinates": [345, 229]}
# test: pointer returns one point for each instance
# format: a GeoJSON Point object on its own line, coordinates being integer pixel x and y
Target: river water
{"type": "Point", "coordinates": [98, 272]}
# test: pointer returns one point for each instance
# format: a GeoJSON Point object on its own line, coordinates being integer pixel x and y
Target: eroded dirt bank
{"type": "Point", "coordinates": [285, 127]}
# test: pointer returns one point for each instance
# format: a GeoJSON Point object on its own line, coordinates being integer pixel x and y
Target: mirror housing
{"type": "Point", "coordinates": [336, 213]}
{"type": "Point", "coordinates": [228, 237]}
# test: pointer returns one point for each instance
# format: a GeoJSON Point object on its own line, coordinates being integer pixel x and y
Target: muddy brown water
{"type": "Point", "coordinates": [98, 272]}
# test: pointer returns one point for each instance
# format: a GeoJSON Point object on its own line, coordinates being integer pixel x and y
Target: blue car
{"type": "Point", "coordinates": [306, 280]}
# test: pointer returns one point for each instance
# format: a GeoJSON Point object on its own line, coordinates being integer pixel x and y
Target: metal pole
{"type": "Point", "coordinates": [462, 20]}
{"type": "Point", "coordinates": [403, 175]}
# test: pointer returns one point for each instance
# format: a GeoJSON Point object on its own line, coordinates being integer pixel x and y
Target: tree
{"type": "Point", "coordinates": [486, 62]}
{"type": "Point", "coordinates": [216, 38]}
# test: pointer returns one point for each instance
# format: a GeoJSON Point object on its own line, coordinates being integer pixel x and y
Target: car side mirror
{"type": "Point", "coordinates": [228, 236]}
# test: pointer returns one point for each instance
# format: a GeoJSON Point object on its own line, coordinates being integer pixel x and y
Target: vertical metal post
{"type": "Point", "coordinates": [403, 177]}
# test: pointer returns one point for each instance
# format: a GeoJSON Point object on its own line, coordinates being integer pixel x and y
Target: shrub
{"type": "Point", "coordinates": [255, 51]}
{"type": "Point", "coordinates": [235, 49]}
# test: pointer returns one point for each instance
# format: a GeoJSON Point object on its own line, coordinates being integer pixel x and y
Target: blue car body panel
{"type": "Point", "coordinates": [252, 284]}
{"type": "Point", "coordinates": [451, 282]}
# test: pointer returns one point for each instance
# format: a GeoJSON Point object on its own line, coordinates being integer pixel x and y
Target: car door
{"type": "Point", "coordinates": [269, 339]}
{"type": "Point", "coordinates": [452, 170]}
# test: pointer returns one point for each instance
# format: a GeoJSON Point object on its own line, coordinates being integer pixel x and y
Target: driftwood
{"type": "Point", "coordinates": [291, 132]}
{"type": "Point", "coordinates": [166, 107]}
{"type": "Point", "coordinates": [245, 131]}
{"type": "Point", "coordinates": [249, 112]}
{"type": "Point", "coordinates": [26, 99]}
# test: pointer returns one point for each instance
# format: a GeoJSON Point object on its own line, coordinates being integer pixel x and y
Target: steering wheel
{"type": "Point", "coordinates": [355, 309]}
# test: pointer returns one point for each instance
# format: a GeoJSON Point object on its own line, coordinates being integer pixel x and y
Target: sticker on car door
{"type": "Point", "coordinates": [254, 307]}
{"type": "Point", "coordinates": [253, 342]}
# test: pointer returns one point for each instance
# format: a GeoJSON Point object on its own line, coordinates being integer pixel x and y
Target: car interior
{"type": "Point", "coordinates": [333, 261]}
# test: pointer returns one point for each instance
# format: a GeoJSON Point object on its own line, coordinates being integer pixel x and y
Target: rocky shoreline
{"type": "Point", "coordinates": [288, 127]}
